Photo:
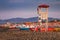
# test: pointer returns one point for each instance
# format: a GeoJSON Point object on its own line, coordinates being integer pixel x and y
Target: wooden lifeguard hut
{"type": "Point", "coordinates": [42, 11]}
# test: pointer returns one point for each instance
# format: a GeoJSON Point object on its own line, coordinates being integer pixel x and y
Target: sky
{"type": "Point", "coordinates": [27, 8]}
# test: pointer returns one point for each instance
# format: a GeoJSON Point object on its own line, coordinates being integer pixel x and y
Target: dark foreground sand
{"type": "Point", "coordinates": [28, 35]}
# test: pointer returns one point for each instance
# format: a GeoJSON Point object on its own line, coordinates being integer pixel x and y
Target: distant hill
{"type": "Point", "coordinates": [22, 20]}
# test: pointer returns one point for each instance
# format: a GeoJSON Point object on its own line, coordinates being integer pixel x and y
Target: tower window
{"type": "Point", "coordinates": [43, 9]}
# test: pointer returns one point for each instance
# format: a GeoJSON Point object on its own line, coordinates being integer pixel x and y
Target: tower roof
{"type": "Point", "coordinates": [43, 6]}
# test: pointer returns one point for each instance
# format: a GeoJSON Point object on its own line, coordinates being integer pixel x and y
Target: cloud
{"type": "Point", "coordinates": [57, 3]}
{"type": "Point", "coordinates": [16, 1]}
{"type": "Point", "coordinates": [18, 13]}
{"type": "Point", "coordinates": [54, 14]}
{"type": "Point", "coordinates": [54, 3]}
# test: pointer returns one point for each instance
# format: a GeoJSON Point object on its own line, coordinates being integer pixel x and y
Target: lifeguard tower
{"type": "Point", "coordinates": [43, 15]}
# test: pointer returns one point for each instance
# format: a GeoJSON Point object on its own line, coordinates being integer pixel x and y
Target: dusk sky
{"type": "Point", "coordinates": [27, 8]}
